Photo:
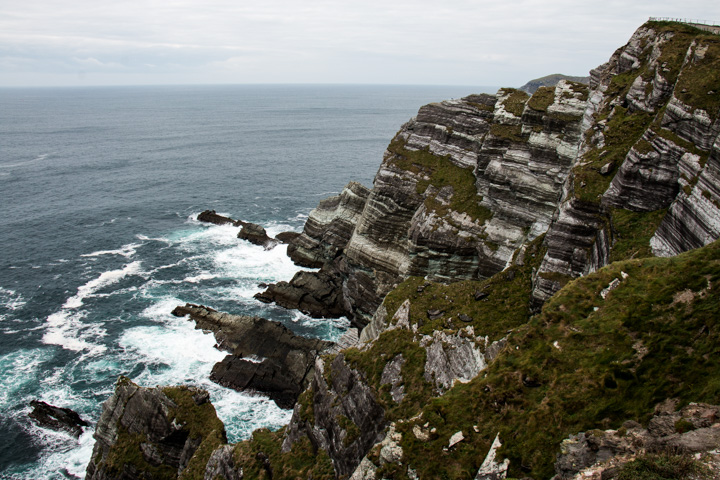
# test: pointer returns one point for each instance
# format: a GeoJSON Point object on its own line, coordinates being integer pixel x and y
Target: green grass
{"type": "Point", "coordinates": [199, 421]}
{"type": "Point", "coordinates": [441, 172]}
{"type": "Point", "coordinates": [303, 461]}
{"type": "Point", "coordinates": [624, 129]}
{"type": "Point", "coordinates": [595, 378]}
{"type": "Point", "coordinates": [542, 99]}
{"type": "Point", "coordinates": [515, 103]}
{"type": "Point", "coordinates": [699, 78]}
{"type": "Point", "coordinates": [664, 467]}
{"type": "Point", "coordinates": [511, 133]}
{"type": "Point", "coordinates": [632, 232]}
{"type": "Point", "coordinates": [580, 88]}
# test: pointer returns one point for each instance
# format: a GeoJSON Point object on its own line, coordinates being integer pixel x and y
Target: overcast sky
{"type": "Point", "coordinates": [465, 42]}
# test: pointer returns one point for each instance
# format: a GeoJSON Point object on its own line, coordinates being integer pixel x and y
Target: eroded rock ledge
{"type": "Point", "coordinates": [264, 356]}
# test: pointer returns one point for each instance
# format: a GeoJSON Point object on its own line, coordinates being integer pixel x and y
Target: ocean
{"type": "Point", "coordinates": [100, 190]}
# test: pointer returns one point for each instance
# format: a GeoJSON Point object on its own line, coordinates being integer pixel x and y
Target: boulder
{"type": "Point", "coordinates": [286, 237]}
{"type": "Point", "coordinates": [318, 294]}
{"type": "Point", "coordinates": [209, 216]}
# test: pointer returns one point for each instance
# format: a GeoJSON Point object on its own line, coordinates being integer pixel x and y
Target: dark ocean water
{"type": "Point", "coordinates": [100, 188]}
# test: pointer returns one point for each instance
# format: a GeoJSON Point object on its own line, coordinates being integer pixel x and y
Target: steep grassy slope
{"type": "Point", "coordinates": [585, 362]}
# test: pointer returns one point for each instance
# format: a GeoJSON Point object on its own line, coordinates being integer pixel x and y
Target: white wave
{"type": "Point", "coordinates": [275, 228]}
{"type": "Point", "coordinates": [39, 158]}
{"type": "Point", "coordinates": [327, 328]}
{"type": "Point", "coordinates": [66, 327]}
{"type": "Point", "coordinates": [145, 238]}
{"type": "Point", "coordinates": [11, 300]}
{"type": "Point", "coordinates": [63, 455]}
{"type": "Point", "coordinates": [180, 354]}
{"type": "Point", "coordinates": [17, 369]}
{"type": "Point", "coordinates": [126, 251]}
{"type": "Point", "coordinates": [105, 279]}
{"type": "Point", "coordinates": [252, 262]}
{"type": "Point", "coordinates": [199, 278]}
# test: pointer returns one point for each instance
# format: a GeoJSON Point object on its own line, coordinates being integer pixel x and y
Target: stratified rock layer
{"type": "Point", "coordinates": [652, 132]}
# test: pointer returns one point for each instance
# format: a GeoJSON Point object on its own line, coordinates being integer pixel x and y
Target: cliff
{"type": "Point", "coordinates": [535, 278]}
{"type": "Point", "coordinates": [461, 187]}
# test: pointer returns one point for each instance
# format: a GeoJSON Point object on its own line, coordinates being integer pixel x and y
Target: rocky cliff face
{"type": "Point", "coordinates": [650, 144]}
{"type": "Point", "coordinates": [461, 187]}
{"type": "Point", "coordinates": [154, 433]}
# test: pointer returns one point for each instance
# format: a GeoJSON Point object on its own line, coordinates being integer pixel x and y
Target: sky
{"type": "Point", "coordinates": [423, 42]}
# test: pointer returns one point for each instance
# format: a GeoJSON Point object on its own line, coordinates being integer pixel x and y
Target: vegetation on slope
{"type": "Point", "coordinates": [585, 362]}
{"type": "Point", "coordinates": [440, 172]}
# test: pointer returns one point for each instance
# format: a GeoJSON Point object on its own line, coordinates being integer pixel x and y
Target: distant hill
{"type": "Point", "coordinates": [550, 81]}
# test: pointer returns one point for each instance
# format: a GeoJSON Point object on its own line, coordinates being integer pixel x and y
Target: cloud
{"type": "Point", "coordinates": [376, 41]}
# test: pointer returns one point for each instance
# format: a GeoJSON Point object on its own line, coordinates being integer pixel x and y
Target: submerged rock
{"type": "Point", "coordinates": [57, 418]}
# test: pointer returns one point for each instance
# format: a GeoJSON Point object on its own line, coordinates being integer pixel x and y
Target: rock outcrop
{"type": "Point", "coordinates": [344, 419]}
{"type": "Point", "coordinates": [257, 235]}
{"type": "Point", "coordinates": [329, 227]}
{"type": "Point", "coordinates": [154, 433]}
{"type": "Point", "coordinates": [264, 356]}
{"type": "Point", "coordinates": [599, 454]}
{"type": "Point", "coordinates": [211, 216]}
{"type": "Point", "coordinates": [252, 232]}
{"type": "Point", "coordinates": [57, 418]}
{"type": "Point", "coordinates": [318, 294]}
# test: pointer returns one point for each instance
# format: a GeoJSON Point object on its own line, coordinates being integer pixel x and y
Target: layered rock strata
{"type": "Point", "coordinates": [264, 356]}
{"type": "Point", "coordinates": [460, 188]}
{"type": "Point", "coordinates": [645, 149]}
{"type": "Point", "coordinates": [329, 227]}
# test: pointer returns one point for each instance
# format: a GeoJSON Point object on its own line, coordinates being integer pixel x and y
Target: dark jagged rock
{"type": "Point", "coordinates": [318, 294]}
{"type": "Point", "coordinates": [265, 356]}
{"type": "Point", "coordinates": [343, 393]}
{"type": "Point", "coordinates": [257, 235]}
{"type": "Point", "coordinates": [286, 237]}
{"type": "Point", "coordinates": [251, 232]}
{"type": "Point", "coordinates": [154, 433]}
{"type": "Point", "coordinates": [57, 418]}
{"type": "Point", "coordinates": [210, 216]}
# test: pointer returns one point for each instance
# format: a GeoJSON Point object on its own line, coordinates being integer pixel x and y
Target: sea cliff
{"type": "Point", "coordinates": [534, 282]}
